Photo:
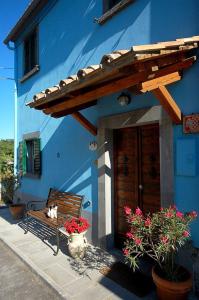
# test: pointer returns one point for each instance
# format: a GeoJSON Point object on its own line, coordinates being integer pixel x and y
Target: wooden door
{"type": "Point", "coordinates": [136, 173]}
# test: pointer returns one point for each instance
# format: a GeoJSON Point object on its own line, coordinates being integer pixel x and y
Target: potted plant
{"type": "Point", "coordinates": [10, 183]}
{"type": "Point", "coordinates": [76, 228]}
{"type": "Point", "coordinates": [159, 236]}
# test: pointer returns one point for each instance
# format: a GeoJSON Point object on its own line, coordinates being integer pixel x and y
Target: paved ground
{"type": "Point", "coordinates": [18, 281]}
{"type": "Point", "coordinates": [72, 280]}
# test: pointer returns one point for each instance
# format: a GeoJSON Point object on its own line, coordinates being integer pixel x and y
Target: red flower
{"type": "Point", "coordinates": [126, 252]}
{"type": "Point", "coordinates": [193, 214]}
{"type": "Point", "coordinates": [185, 233]}
{"type": "Point", "coordinates": [129, 235]}
{"type": "Point", "coordinates": [138, 241]}
{"type": "Point", "coordinates": [147, 222]}
{"type": "Point", "coordinates": [164, 239]}
{"type": "Point", "coordinates": [179, 215]}
{"type": "Point", "coordinates": [76, 225]}
{"type": "Point", "coordinates": [127, 210]}
{"type": "Point", "coordinates": [138, 211]}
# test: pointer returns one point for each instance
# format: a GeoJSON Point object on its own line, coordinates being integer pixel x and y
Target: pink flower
{"type": "Point", "coordinates": [147, 223]}
{"type": "Point", "coordinates": [126, 252]}
{"type": "Point", "coordinates": [179, 215]}
{"type": "Point", "coordinates": [164, 239]}
{"type": "Point", "coordinates": [137, 241]}
{"type": "Point", "coordinates": [168, 214]}
{"type": "Point", "coordinates": [185, 233]}
{"type": "Point", "coordinates": [127, 210]}
{"type": "Point", "coordinates": [129, 235]}
{"type": "Point", "coordinates": [138, 211]}
{"type": "Point", "coordinates": [173, 207]}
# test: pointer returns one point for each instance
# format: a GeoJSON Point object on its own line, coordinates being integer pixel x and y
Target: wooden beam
{"type": "Point", "coordinates": [153, 84]}
{"type": "Point", "coordinates": [85, 123]}
{"type": "Point", "coordinates": [127, 66]}
{"type": "Point", "coordinates": [71, 111]}
{"type": "Point", "coordinates": [168, 103]}
{"type": "Point", "coordinates": [104, 90]}
{"type": "Point", "coordinates": [116, 85]}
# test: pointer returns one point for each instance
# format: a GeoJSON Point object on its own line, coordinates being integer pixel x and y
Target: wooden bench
{"type": "Point", "coordinates": [69, 205]}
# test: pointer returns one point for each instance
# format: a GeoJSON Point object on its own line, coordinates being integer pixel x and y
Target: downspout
{"type": "Point", "coordinates": [15, 128]}
{"type": "Point", "coordinates": [10, 47]}
{"type": "Point", "coordinates": [15, 107]}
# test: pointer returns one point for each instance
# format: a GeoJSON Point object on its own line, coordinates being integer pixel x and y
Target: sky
{"type": "Point", "coordinates": [10, 12]}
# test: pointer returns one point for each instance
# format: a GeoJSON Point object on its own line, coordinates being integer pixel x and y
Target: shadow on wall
{"type": "Point", "coordinates": [66, 48]}
{"type": "Point", "coordinates": [67, 162]}
{"type": "Point", "coordinates": [67, 165]}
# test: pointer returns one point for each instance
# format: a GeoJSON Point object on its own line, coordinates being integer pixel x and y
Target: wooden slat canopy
{"type": "Point", "coordinates": [145, 68]}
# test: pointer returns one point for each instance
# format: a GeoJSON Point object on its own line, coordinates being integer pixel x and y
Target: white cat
{"type": "Point", "coordinates": [52, 211]}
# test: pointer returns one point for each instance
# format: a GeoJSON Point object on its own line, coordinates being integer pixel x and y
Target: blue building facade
{"type": "Point", "coordinates": [69, 39]}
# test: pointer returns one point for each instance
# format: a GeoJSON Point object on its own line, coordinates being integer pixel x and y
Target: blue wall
{"type": "Point", "coordinates": [69, 40]}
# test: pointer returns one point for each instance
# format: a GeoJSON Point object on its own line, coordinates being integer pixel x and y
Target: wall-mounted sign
{"type": "Point", "coordinates": [191, 123]}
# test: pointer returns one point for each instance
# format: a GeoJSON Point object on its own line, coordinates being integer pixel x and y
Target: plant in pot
{"type": "Point", "coordinates": [77, 243]}
{"type": "Point", "coordinates": [10, 183]}
{"type": "Point", "coordinates": [159, 236]}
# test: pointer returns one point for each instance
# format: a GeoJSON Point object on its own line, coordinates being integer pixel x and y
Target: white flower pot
{"type": "Point", "coordinates": [77, 244]}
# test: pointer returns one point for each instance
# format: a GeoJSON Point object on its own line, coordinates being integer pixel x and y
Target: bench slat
{"type": "Point", "coordinates": [69, 205]}
{"type": "Point", "coordinates": [65, 202]}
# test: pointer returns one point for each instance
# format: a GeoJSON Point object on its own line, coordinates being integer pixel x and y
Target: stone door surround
{"type": "Point", "coordinates": [105, 164]}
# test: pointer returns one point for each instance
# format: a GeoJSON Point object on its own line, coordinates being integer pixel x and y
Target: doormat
{"type": "Point", "coordinates": [135, 282]}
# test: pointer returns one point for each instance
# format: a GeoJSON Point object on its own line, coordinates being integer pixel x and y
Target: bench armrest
{"type": "Point", "coordinates": [31, 205]}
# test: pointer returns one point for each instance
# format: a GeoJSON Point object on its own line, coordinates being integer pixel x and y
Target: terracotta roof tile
{"type": "Point", "coordinates": [116, 58]}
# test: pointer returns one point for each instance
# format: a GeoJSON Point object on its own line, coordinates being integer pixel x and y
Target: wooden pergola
{"type": "Point", "coordinates": [146, 68]}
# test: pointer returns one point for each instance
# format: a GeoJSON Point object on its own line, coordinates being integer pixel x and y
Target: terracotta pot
{"type": "Point", "coordinates": [17, 210]}
{"type": "Point", "coordinates": [168, 290]}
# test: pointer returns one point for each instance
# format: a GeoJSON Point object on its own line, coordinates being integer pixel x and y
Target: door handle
{"type": "Point", "coordinates": [140, 187]}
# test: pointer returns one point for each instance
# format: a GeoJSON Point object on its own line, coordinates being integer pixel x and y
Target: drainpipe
{"type": "Point", "coordinates": [15, 110]}
{"type": "Point", "coordinates": [15, 127]}
{"type": "Point", "coordinates": [10, 47]}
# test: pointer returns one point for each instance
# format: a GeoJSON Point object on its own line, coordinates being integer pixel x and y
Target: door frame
{"type": "Point", "coordinates": [138, 117]}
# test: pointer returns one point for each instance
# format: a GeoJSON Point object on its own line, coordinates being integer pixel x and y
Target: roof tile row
{"type": "Point", "coordinates": [135, 53]}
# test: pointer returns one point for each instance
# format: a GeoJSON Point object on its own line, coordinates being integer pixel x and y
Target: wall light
{"type": "Point", "coordinates": [93, 146]}
{"type": "Point", "coordinates": [124, 99]}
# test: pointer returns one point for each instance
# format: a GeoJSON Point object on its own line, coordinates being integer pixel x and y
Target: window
{"type": "Point", "coordinates": [108, 4]}
{"type": "Point", "coordinates": [29, 158]}
{"type": "Point", "coordinates": [111, 8]}
{"type": "Point", "coordinates": [30, 51]}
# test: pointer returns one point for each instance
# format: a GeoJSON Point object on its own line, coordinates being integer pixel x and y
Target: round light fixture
{"type": "Point", "coordinates": [124, 99]}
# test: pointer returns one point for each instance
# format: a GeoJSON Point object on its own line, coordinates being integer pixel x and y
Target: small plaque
{"type": "Point", "coordinates": [191, 123]}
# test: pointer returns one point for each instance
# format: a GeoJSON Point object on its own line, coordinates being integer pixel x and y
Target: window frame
{"type": "Point", "coordinates": [29, 72]}
{"type": "Point", "coordinates": [106, 5]}
{"type": "Point", "coordinates": [108, 13]}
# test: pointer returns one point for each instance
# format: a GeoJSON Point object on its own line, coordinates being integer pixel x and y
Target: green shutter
{"type": "Point", "coordinates": [37, 156]}
{"type": "Point", "coordinates": [22, 158]}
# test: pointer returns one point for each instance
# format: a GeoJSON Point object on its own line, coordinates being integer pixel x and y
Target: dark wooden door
{"type": "Point", "coordinates": [137, 173]}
